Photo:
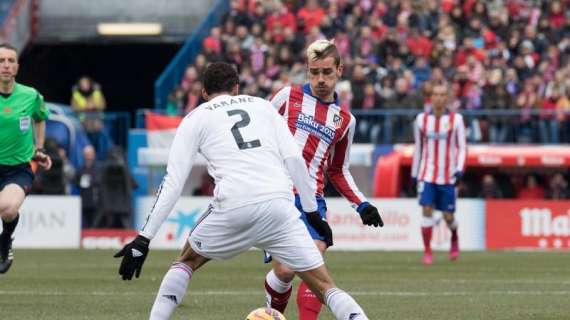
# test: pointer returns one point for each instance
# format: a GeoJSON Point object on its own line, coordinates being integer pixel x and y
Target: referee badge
{"type": "Point", "coordinates": [25, 123]}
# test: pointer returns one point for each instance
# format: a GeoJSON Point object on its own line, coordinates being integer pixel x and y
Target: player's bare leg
{"type": "Point", "coordinates": [452, 225]}
{"type": "Point", "coordinates": [427, 230]}
{"type": "Point", "coordinates": [278, 287]}
{"type": "Point", "coordinates": [175, 282]}
{"type": "Point", "coordinates": [11, 198]}
{"type": "Point", "coordinates": [342, 305]}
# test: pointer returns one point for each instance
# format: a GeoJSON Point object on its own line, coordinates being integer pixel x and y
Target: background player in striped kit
{"type": "Point", "coordinates": [438, 164]}
{"type": "Point", "coordinates": [324, 132]}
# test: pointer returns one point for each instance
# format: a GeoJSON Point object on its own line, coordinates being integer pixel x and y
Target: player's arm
{"type": "Point", "coordinates": [417, 150]}
{"type": "Point", "coordinates": [280, 99]}
{"type": "Point", "coordinates": [39, 115]}
{"type": "Point", "coordinates": [461, 147]}
{"type": "Point", "coordinates": [295, 165]}
{"type": "Point", "coordinates": [180, 160]}
{"type": "Point", "coordinates": [339, 175]}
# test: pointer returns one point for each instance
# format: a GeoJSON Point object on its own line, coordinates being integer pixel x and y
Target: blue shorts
{"type": "Point", "coordinates": [321, 209]}
{"type": "Point", "coordinates": [20, 174]}
{"type": "Point", "coordinates": [439, 196]}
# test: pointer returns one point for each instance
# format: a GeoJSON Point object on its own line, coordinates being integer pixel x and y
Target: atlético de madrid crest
{"type": "Point", "coordinates": [337, 120]}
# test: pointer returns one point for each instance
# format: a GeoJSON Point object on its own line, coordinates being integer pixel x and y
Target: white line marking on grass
{"type": "Point", "coordinates": [257, 292]}
{"type": "Point", "coordinates": [526, 281]}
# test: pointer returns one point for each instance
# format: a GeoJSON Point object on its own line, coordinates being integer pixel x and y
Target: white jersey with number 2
{"type": "Point", "coordinates": [244, 141]}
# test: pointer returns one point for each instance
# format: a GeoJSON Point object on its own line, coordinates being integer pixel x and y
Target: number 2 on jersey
{"type": "Point", "coordinates": [245, 119]}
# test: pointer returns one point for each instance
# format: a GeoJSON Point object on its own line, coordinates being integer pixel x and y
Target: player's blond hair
{"type": "Point", "coordinates": [321, 49]}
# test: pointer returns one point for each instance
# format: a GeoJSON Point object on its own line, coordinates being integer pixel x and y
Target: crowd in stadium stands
{"type": "Point", "coordinates": [497, 55]}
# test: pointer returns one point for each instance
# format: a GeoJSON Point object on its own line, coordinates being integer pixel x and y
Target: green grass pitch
{"type": "Point", "coordinates": [81, 284]}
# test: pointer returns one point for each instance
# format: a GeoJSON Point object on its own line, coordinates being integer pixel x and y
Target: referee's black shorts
{"type": "Point", "coordinates": [20, 174]}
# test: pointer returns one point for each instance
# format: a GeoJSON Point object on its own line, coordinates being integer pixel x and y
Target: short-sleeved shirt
{"type": "Point", "coordinates": [18, 111]}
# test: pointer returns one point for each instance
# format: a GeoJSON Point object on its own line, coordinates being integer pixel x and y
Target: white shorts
{"type": "Point", "coordinates": [273, 226]}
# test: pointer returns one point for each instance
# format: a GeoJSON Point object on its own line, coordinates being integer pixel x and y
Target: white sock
{"type": "Point", "coordinates": [172, 290]}
{"type": "Point", "coordinates": [343, 305]}
{"type": "Point", "coordinates": [276, 284]}
{"type": "Point", "coordinates": [453, 225]}
{"type": "Point", "coordinates": [427, 222]}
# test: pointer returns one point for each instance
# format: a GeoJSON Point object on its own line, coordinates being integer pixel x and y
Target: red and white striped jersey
{"type": "Point", "coordinates": [440, 147]}
{"type": "Point", "coordinates": [324, 132]}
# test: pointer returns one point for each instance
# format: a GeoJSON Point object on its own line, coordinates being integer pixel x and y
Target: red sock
{"type": "Point", "coordinates": [278, 300]}
{"type": "Point", "coordinates": [454, 234]}
{"type": "Point", "coordinates": [308, 303]}
{"type": "Point", "coordinates": [426, 235]}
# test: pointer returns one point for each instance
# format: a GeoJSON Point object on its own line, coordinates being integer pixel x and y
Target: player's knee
{"type": "Point", "coordinates": [283, 273]}
{"type": "Point", "coordinates": [427, 211]}
{"type": "Point", "coordinates": [9, 209]}
{"type": "Point", "coordinates": [448, 218]}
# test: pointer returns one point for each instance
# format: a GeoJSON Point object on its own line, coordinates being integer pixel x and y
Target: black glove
{"type": "Point", "coordinates": [458, 177]}
{"type": "Point", "coordinates": [369, 215]}
{"type": "Point", "coordinates": [414, 184]}
{"type": "Point", "coordinates": [134, 254]}
{"type": "Point", "coordinates": [321, 226]}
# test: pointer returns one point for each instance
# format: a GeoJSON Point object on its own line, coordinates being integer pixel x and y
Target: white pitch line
{"type": "Point", "coordinates": [527, 281]}
{"type": "Point", "coordinates": [257, 292]}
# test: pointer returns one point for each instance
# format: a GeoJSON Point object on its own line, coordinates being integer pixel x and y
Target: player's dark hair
{"type": "Point", "coordinates": [8, 46]}
{"type": "Point", "coordinates": [220, 77]}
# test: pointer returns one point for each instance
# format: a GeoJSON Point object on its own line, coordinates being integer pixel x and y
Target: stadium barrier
{"type": "Point", "coordinates": [106, 238]}
{"type": "Point", "coordinates": [528, 224]}
{"type": "Point", "coordinates": [402, 217]}
{"type": "Point", "coordinates": [52, 222]}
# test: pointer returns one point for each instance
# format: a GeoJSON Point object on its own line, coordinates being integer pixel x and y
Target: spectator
{"type": "Point", "coordinates": [174, 105]}
{"type": "Point", "coordinates": [190, 77]}
{"type": "Point", "coordinates": [489, 188]}
{"type": "Point", "coordinates": [419, 45]}
{"type": "Point", "coordinates": [527, 101]}
{"type": "Point", "coordinates": [496, 97]}
{"type": "Point", "coordinates": [421, 71]}
{"type": "Point", "coordinates": [558, 188]}
{"type": "Point", "coordinates": [88, 102]}
{"type": "Point", "coordinates": [213, 45]}
{"type": "Point", "coordinates": [87, 179]}
{"type": "Point", "coordinates": [311, 15]}
{"type": "Point", "coordinates": [531, 190]}
{"type": "Point", "coordinates": [117, 185]}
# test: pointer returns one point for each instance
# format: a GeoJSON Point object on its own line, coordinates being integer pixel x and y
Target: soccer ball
{"type": "Point", "coordinates": [265, 314]}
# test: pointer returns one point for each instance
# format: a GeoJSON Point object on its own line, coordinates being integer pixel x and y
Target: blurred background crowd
{"type": "Point", "coordinates": [500, 55]}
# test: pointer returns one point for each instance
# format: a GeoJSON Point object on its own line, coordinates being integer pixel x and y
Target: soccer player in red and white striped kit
{"type": "Point", "coordinates": [324, 131]}
{"type": "Point", "coordinates": [438, 164]}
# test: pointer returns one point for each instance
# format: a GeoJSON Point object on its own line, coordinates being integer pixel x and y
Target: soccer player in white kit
{"type": "Point", "coordinates": [324, 132]}
{"type": "Point", "coordinates": [251, 154]}
{"type": "Point", "coordinates": [438, 163]}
